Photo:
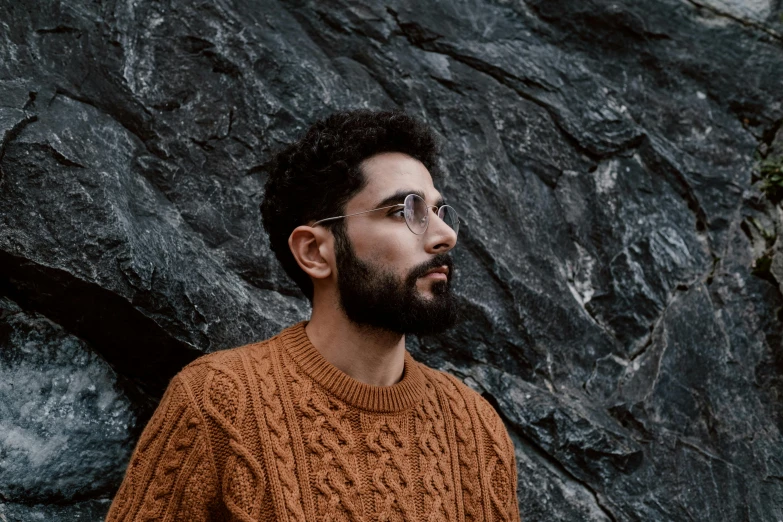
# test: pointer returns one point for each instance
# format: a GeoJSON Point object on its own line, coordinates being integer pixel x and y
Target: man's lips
{"type": "Point", "coordinates": [441, 272]}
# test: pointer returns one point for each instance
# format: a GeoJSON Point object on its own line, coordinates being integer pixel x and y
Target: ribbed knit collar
{"type": "Point", "coordinates": [396, 397]}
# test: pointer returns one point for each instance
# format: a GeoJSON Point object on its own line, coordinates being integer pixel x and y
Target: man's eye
{"type": "Point", "coordinates": [398, 213]}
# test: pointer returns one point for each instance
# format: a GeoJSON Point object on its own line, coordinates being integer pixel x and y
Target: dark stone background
{"type": "Point", "coordinates": [619, 260]}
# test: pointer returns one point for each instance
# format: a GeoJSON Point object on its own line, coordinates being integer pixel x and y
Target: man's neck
{"type": "Point", "coordinates": [369, 355]}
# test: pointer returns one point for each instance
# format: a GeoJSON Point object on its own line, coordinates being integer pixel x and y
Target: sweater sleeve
{"type": "Point", "coordinates": [514, 500]}
{"type": "Point", "coordinates": [171, 475]}
{"type": "Point", "coordinates": [501, 466]}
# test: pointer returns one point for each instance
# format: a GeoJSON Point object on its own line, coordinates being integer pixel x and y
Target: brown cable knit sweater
{"type": "Point", "coordinates": [272, 431]}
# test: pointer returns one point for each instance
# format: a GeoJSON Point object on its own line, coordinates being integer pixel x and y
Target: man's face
{"type": "Point", "coordinates": [382, 267]}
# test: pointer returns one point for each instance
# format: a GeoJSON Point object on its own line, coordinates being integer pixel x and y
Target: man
{"type": "Point", "coordinates": [332, 419]}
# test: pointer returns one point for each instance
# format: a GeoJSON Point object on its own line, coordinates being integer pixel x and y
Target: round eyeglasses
{"type": "Point", "coordinates": [416, 212]}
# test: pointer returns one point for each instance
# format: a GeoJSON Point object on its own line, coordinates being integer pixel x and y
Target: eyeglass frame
{"type": "Point", "coordinates": [435, 207]}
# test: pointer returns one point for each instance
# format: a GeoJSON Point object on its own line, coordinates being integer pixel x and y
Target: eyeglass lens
{"type": "Point", "coordinates": [417, 215]}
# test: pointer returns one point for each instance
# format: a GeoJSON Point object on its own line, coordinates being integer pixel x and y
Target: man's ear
{"type": "Point", "coordinates": [311, 247]}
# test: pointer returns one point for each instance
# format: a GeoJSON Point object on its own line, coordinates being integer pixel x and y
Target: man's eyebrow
{"type": "Point", "coordinates": [398, 198]}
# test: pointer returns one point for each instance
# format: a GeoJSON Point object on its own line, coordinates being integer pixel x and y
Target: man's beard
{"type": "Point", "coordinates": [372, 296]}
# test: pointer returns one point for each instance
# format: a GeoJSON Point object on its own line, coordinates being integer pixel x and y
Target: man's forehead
{"type": "Point", "coordinates": [391, 174]}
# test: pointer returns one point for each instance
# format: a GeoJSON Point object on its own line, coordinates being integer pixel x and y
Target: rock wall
{"type": "Point", "coordinates": [619, 167]}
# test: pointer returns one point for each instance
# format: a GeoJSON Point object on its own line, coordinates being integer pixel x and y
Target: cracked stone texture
{"type": "Point", "coordinates": [601, 152]}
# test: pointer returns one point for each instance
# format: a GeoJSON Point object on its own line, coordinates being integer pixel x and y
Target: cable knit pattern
{"type": "Point", "coordinates": [197, 485]}
{"type": "Point", "coordinates": [330, 446]}
{"type": "Point", "coordinates": [168, 452]}
{"type": "Point", "coordinates": [173, 459]}
{"type": "Point", "coordinates": [271, 431]}
{"type": "Point", "coordinates": [439, 500]}
{"type": "Point", "coordinates": [500, 468]}
{"type": "Point", "coordinates": [466, 446]}
{"type": "Point", "coordinates": [278, 442]}
{"type": "Point", "coordinates": [244, 480]}
{"type": "Point", "coordinates": [390, 472]}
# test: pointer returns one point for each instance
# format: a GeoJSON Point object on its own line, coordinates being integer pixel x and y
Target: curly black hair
{"type": "Point", "coordinates": [317, 175]}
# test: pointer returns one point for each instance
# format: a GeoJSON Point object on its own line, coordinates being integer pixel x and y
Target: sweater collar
{"type": "Point", "coordinates": [396, 397]}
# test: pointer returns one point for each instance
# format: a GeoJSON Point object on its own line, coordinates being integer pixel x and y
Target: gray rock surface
{"type": "Point", "coordinates": [619, 262]}
{"type": "Point", "coordinates": [65, 421]}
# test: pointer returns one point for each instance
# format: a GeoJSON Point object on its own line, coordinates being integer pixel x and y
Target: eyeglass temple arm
{"type": "Point", "coordinates": [357, 213]}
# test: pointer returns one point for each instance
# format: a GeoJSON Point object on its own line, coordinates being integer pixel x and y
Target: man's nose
{"type": "Point", "coordinates": [441, 237]}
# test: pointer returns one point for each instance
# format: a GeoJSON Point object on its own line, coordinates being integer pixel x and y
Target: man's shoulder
{"type": "Point", "coordinates": [458, 393]}
{"type": "Point", "coordinates": [470, 407]}
{"type": "Point", "coordinates": [231, 363]}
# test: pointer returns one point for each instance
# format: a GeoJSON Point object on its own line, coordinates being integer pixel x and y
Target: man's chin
{"type": "Point", "coordinates": [426, 294]}
{"type": "Point", "coordinates": [432, 286]}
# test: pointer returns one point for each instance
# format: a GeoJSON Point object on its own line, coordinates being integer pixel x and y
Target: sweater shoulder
{"type": "Point", "coordinates": [229, 358]}
{"type": "Point", "coordinates": [451, 385]}
{"type": "Point", "coordinates": [224, 372]}
{"type": "Point", "coordinates": [465, 400]}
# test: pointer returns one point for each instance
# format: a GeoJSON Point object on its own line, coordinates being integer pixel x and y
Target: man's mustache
{"type": "Point", "coordinates": [436, 262]}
